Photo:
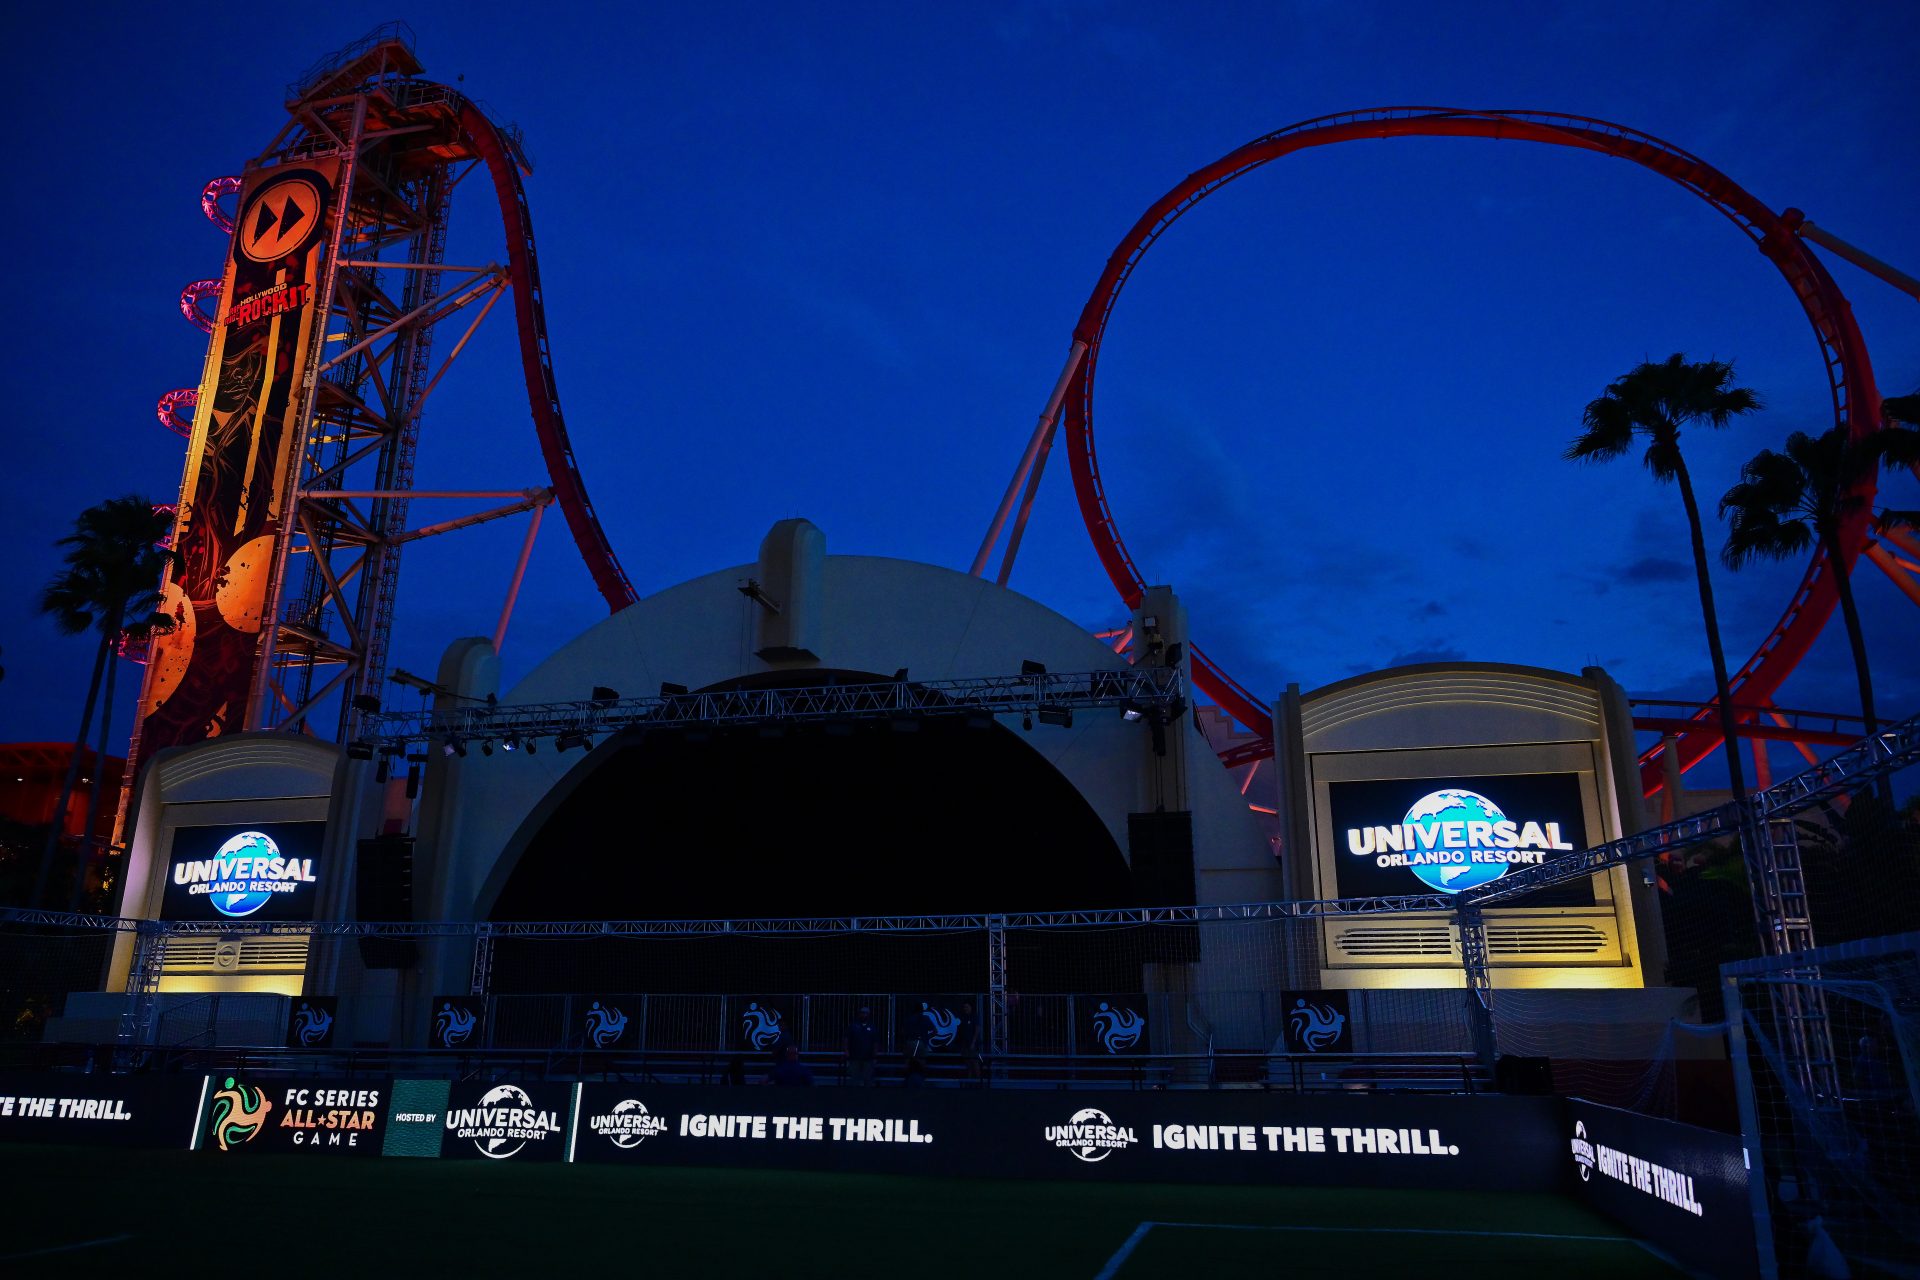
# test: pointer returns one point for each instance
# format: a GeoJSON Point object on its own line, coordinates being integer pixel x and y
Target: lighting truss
{"type": "Point", "coordinates": [1145, 688]}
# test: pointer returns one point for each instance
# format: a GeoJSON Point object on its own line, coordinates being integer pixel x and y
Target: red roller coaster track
{"type": "Point", "coordinates": [1856, 402]}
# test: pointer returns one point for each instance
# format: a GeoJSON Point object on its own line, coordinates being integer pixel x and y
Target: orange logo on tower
{"type": "Point", "coordinates": [280, 218]}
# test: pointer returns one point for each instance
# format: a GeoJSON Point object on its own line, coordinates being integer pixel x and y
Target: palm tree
{"type": "Point", "coordinates": [1790, 502]}
{"type": "Point", "coordinates": [1655, 401]}
{"type": "Point", "coordinates": [111, 584]}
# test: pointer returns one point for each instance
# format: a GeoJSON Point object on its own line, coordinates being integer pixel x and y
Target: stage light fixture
{"type": "Point", "coordinates": [413, 781]}
{"type": "Point", "coordinates": [1031, 668]}
{"type": "Point", "coordinates": [486, 746]}
{"type": "Point", "coordinates": [446, 748]}
{"type": "Point", "coordinates": [381, 771]}
{"type": "Point", "coordinates": [568, 741]}
{"type": "Point", "coordinates": [510, 744]}
{"type": "Point", "coordinates": [458, 747]}
{"type": "Point", "coordinates": [1026, 722]}
{"type": "Point", "coordinates": [605, 697]}
{"type": "Point", "coordinates": [359, 751]}
{"type": "Point", "coordinates": [366, 702]}
{"type": "Point", "coordinates": [533, 746]}
{"type": "Point", "coordinates": [1130, 711]}
{"type": "Point", "coordinates": [1062, 716]}
{"type": "Point", "coordinates": [669, 690]}
{"type": "Point", "coordinates": [1174, 651]}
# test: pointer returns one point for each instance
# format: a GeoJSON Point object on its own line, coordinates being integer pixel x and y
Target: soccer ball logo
{"type": "Point", "coordinates": [605, 1025]}
{"type": "Point", "coordinates": [1317, 1026]}
{"type": "Point", "coordinates": [1118, 1029]}
{"type": "Point", "coordinates": [239, 1114]}
{"type": "Point", "coordinates": [311, 1025]}
{"type": "Point", "coordinates": [760, 1027]}
{"type": "Point", "coordinates": [453, 1026]}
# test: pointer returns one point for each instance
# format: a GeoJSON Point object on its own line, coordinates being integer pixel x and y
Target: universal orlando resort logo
{"type": "Point", "coordinates": [1455, 839]}
{"type": "Point", "coordinates": [628, 1125]}
{"type": "Point", "coordinates": [505, 1121]}
{"type": "Point", "coordinates": [1091, 1135]}
{"type": "Point", "coordinates": [243, 875]}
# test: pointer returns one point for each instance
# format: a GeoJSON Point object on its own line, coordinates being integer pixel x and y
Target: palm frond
{"type": "Point", "coordinates": [1608, 431]}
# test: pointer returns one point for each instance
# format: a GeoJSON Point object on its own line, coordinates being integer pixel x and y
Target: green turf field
{"type": "Point", "coordinates": [75, 1211]}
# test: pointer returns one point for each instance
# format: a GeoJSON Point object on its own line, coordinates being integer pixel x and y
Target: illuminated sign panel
{"type": "Point", "coordinates": [1424, 835]}
{"type": "Point", "coordinates": [232, 499]}
{"type": "Point", "coordinates": [267, 871]}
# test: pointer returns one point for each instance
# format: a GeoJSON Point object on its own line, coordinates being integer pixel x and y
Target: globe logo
{"type": "Point", "coordinates": [1477, 814]}
{"type": "Point", "coordinates": [248, 844]}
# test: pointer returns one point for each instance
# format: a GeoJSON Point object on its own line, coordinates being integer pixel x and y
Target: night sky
{"type": "Point", "coordinates": [825, 260]}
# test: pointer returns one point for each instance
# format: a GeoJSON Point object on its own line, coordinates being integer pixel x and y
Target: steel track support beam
{"type": "Point", "coordinates": [519, 574]}
{"type": "Point", "coordinates": [1861, 259]}
{"type": "Point", "coordinates": [1036, 444]}
{"type": "Point", "coordinates": [1897, 573]}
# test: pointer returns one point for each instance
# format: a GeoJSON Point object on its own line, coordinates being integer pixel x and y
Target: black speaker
{"type": "Point", "coordinates": [1160, 847]}
{"type": "Point", "coordinates": [383, 891]}
{"type": "Point", "coordinates": [1515, 1074]}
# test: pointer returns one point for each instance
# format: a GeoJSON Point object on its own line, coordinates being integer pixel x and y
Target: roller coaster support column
{"type": "Point", "coordinates": [997, 1040]}
{"type": "Point", "coordinates": [1861, 259]}
{"type": "Point", "coordinates": [1027, 475]}
{"type": "Point", "coordinates": [1472, 923]}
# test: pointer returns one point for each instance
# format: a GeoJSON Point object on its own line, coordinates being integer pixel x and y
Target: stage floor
{"type": "Point", "coordinates": [84, 1211]}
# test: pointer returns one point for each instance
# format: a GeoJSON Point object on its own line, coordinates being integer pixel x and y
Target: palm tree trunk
{"type": "Point", "coordinates": [99, 774]}
{"type": "Point", "coordinates": [66, 788]}
{"type": "Point", "coordinates": [1850, 614]}
{"type": "Point", "coordinates": [1735, 774]}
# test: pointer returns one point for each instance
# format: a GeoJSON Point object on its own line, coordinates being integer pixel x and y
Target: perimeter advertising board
{"type": "Point", "coordinates": [1493, 1143]}
{"type": "Point", "coordinates": [233, 495]}
{"type": "Point", "coordinates": [507, 1121]}
{"type": "Point", "coordinates": [1682, 1188]}
{"type": "Point", "coordinates": [265, 871]}
{"type": "Point", "coordinates": [240, 1113]}
{"type": "Point", "coordinates": [99, 1109]}
{"type": "Point", "coordinates": [1395, 836]}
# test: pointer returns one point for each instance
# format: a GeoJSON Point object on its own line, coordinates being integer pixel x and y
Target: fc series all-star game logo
{"type": "Point", "coordinates": [1454, 839]}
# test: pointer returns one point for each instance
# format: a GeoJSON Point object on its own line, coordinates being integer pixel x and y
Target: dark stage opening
{"type": "Point", "coordinates": [847, 819]}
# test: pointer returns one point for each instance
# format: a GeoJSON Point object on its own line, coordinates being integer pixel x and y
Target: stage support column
{"type": "Point", "coordinates": [1473, 959]}
{"type": "Point", "coordinates": [997, 986]}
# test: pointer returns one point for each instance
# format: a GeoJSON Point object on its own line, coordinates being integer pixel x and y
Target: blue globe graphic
{"type": "Point", "coordinates": [1453, 805]}
{"type": "Point", "coordinates": [248, 844]}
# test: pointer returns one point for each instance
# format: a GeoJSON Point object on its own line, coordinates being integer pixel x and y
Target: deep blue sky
{"type": "Point", "coordinates": [824, 260]}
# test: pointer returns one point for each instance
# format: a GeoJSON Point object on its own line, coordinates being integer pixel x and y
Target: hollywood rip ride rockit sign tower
{"type": "Point", "coordinates": [296, 496]}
